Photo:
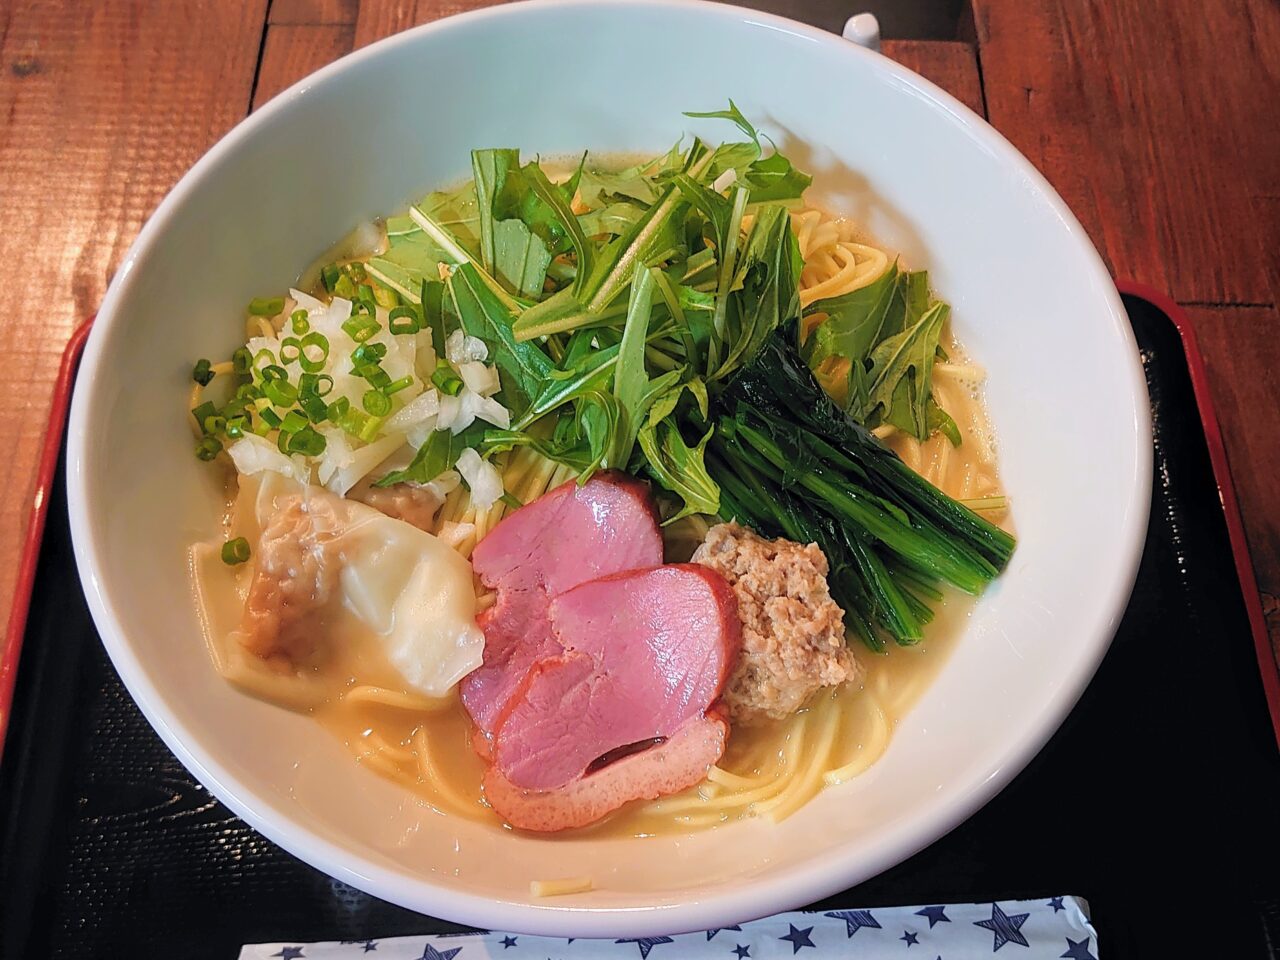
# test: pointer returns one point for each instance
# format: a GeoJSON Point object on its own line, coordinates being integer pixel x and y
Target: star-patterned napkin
{"type": "Point", "coordinates": [1022, 929]}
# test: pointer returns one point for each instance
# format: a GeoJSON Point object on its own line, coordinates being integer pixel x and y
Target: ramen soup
{"type": "Point", "coordinates": [617, 498]}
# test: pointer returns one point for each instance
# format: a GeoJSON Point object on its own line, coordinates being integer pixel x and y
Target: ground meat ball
{"type": "Point", "coordinates": [793, 639]}
{"type": "Point", "coordinates": [294, 577]}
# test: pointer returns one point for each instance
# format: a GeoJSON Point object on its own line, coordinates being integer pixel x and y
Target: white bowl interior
{"type": "Point", "coordinates": [1031, 302]}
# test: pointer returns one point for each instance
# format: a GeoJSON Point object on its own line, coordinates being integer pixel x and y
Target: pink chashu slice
{"type": "Point", "coordinates": [568, 536]}
{"type": "Point", "coordinates": [643, 654]}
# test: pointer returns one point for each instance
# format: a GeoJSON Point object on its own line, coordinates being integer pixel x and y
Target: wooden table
{"type": "Point", "coordinates": [1157, 120]}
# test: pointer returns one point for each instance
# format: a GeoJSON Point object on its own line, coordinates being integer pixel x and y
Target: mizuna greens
{"type": "Point", "coordinates": [646, 319]}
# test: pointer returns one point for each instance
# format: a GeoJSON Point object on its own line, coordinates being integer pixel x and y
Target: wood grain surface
{"type": "Point", "coordinates": [1155, 119]}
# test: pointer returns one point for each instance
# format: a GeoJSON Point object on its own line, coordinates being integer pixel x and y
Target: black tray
{"type": "Point", "coordinates": [1157, 800]}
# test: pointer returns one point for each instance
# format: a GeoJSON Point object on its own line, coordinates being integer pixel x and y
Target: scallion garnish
{"type": "Point", "coordinates": [215, 424]}
{"type": "Point", "coordinates": [345, 287]}
{"type": "Point", "coordinates": [280, 392]}
{"type": "Point", "coordinates": [299, 322]}
{"type": "Point", "coordinates": [203, 413]}
{"type": "Point", "coordinates": [236, 427]}
{"type": "Point", "coordinates": [386, 297]}
{"type": "Point", "coordinates": [290, 350]}
{"type": "Point", "coordinates": [208, 448]}
{"type": "Point", "coordinates": [266, 306]}
{"type": "Point", "coordinates": [235, 552]}
{"type": "Point", "coordinates": [330, 275]}
{"type": "Point", "coordinates": [307, 442]}
{"type": "Point", "coordinates": [397, 385]}
{"type": "Point", "coordinates": [314, 384]}
{"type": "Point", "coordinates": [338, 409]}
{"type": "Point", "coordinates": [202, 373]}
{"type": "Point", "coordinates": [247, 391]}
{"type": "Point", "coordinates": [241, 361]}
{"type": "Point", "coordinates": [317, 410]}
{"type": "Point", "coordinates": [355, 270]}
{"type": "Point", "coordinates": [272, 418]}
{"type": "Point", "coordinates": [293, 422]}
{"type": "Point", "coordinates": [368, 353]}
{"type": "Point", "coordinates": [262, 359]}
{"type": "Point", "coordinates": [403, 320]}
{"type": "Point", "coordinates": [360, 327]}
{"type": "Point", "coordinates": [448, 381]}
{"type": "Point", "coordinates": [314, 352]}
{"type": "Point", "coordinates": [376, 404]}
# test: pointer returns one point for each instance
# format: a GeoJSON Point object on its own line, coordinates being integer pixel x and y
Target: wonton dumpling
{"type": "Point", "coordinates": [413, 591]}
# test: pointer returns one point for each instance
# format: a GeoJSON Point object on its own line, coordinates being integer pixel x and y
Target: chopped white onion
{"type": "Point", "coordinates": [363, 462]}
{"type": "Point", "coordinates": [419, 433]}
{"type": "Point", "coordinates": [482, 477]}
{"type": "Point", "coordinates": [254, 454]}
{"type": "Point", "coordinates": [484, 408]}
{"type": "Point", "coordinates": [460, 348]}
{"type": "Point", "coordinates": [426, 404]}
{"type": "Point", "coordinates": [479, 378]}
{"type": "Point", "coordinates": [337, 452]}
{"type": "Point", "coordinates": [450, 414]}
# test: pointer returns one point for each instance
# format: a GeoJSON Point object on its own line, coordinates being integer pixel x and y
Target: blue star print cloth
{"type": "Point", "coordinates": [1007, 930]}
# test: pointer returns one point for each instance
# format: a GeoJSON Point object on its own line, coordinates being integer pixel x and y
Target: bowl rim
{"type": "Point", "coordinates": [785, 889]}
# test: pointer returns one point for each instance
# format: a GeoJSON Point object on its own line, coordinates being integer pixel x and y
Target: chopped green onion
{"type": "Point", "coordinates": [355, 270]}
{"type": "Point", "coordinates": [374, 375]}
{"type": "Point", "coordinates": [364, 294]}
{"type": "Point", "coordinates": [368, 353]}
{"type": "Point", "coordinates": [338, 409]}
{"type": "Point", "coordinates": [214, 424]}
{"type": "Point", "coordinates": [293, 422]}
{"type": "Point", "coordinates": [317, 410]}
{"type": "Point", "coordinates": [271, 417]}
{"type": "Point", "coordinates": [247, 391]}
{"type": "Point", "coordinates": [236, 427]}
{"type": "Point", "coordinates": [290, 350]}
{"type": "Point", "coordinates": [298, 320]}
{"type": "Point", "coordinates": [307, 442]}
{"type": "Point", "coordinates": [273, 371]}
{"type": "Point", "coordinates": [241, 361]}
{"type": "Point", "coordinates": [345, 287]}
{"type": "Point", "coordinates": [208, 448]}
{"type": "Point", "coordinates": [314, 352]}
{"type": "Point", "coordinates": [360, 328]}
{"type": "Point", "coordinates": [261, 427]}
{"type": "Point", "coordinates": [235, 552]}
{"type": "Point", "coordinates": [330, 276]}
{"type": "Point", "coordinates": [448, 381]}
{"type": "Point", "coordinates": [386, 297]}
{"type": "Point", "coordinates": [282, 441]}
{"type": "Point", "coordinates": [266, 306]}
{"type": "Point", "coordinates": [369, 431]}
{"type": "Point", "coordinates": [317, 384]}
{"type": "Point", "coordinates": [403, 320]}
{"type": "Point", "coordinates": [280, 392]}
{"type": "Point", "coordinates": [397, 385]}
{"type": "Point", "coordinates": [375, 403]}
{"type": "Point", "coordinates": [262, 359]}
{"type": "Point", "coordinates": [203, 413]}
{"type": "Point", "coordinates": [202, 373]}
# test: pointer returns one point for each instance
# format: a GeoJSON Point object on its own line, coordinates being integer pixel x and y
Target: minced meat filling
{"type": "Point", "coordinates": [793, 637]}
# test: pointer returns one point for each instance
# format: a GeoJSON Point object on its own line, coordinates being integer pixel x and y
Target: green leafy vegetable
{"type": "Point", "coordinates": [680, 468]}
{"type": "Point", "coordinates": [523, 367]}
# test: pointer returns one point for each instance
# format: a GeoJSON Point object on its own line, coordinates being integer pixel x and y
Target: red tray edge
{"type": "Point", "coordinates": [46, 468]}
{"type": "Point", "coordinates": [1268, 667]}
{"type": "Point", "coordinates": [1267, 662]}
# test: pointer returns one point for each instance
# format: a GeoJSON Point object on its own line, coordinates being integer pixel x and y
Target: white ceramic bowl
{"type": "Point", "coordinates": [365, 135]}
